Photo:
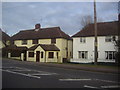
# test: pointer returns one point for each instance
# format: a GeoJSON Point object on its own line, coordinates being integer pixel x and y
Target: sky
{"type": "Point", "coordinates": [18, 16]}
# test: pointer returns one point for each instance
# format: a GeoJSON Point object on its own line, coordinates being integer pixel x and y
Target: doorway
{"type": "Point", "coordinates": [37, 56]}
{"type": "Point", "coordinates": [25, 56]}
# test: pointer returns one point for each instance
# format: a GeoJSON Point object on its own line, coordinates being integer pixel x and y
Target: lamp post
{"type": "Point", "coordinates": [95, 31]}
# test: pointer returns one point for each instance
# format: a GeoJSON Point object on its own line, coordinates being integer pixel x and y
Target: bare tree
{"type": "Point", "coordinates": [85, 20]}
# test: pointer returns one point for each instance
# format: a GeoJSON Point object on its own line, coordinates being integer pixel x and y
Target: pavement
{"type": "Point", "coordinates": [76, 66]}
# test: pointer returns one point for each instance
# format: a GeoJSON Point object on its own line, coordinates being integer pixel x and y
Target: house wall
{"type": "Point", "coordinates": [65, 47]}
{"type": "Point", "coordinates": [89, 46]}
{"type": "Point", "coordinates": [1, 44]}
{"type": "Point", "coordinates": [44, 41]}
{"type": "Point", "coordinates": [45, 55]}
{"type": "Point", "coordinates": [17, 58]}
{"type": "Point", "coordinates": [19, 43]}
{"type": "Point", "coordinates": [104, 46]}
{"type": "Point", "coordinates": [34, 58]}
{"type": "Point", "coordinates": [61, 43]}
{"type": "Point", "coordinates": [29, 42]}
{"type": "Point", "coordinates": [52, 59]}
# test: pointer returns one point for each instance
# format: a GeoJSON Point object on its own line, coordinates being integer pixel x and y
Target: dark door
{"type": "Point", "coordinates": [37, 56]}
{"type": "Point", "coordinates": [25, 56]}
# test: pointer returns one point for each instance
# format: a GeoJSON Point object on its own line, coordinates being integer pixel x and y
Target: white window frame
{"type": "Point", "coordinates": [83, 54]}
{"type": "Point", "coordinates": [108, 39]}
{"type": "Point", "coordinates": [82, 40]}
{"type": "Point", "coordinates": [24, 42]}
{"type": "Point", "coordinates": [108, 53]}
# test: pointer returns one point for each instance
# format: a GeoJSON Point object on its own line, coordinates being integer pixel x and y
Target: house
{"type": "Point", "coordinates": [41, 45]}
{"type": "Point", "coordinates": [5, 39]}
{"type": "Point", "coordinates": [4, 42]}
{"type": "Point", "coordinates": [83, 43]}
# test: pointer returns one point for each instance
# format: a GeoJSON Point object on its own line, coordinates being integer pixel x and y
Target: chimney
{"type": "Point", "coordinates": [37, 27]}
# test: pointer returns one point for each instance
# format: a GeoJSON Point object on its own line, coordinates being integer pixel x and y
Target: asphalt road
{"type": "Point", "coordinates": [21, 74]}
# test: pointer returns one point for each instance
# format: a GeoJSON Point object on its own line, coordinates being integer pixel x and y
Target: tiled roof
{"type": "Point", "coordinates": [104, 29]}
{"type": "Point", "coordinates": [5, 36]}
{"type": "Point", "coordinates": [46, 47]}
{"type": "Point", "coordinates": [42, 33]}
{"type": "Point", "coordinates": [14, 47]}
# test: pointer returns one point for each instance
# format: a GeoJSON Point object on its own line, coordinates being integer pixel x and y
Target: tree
{"type": "Point", "coordinates": [85, 20]}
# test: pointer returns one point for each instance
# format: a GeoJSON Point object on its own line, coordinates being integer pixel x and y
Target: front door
{"type": "Point", "coordinates": [25, 56]}
{"type": "Point", "coordinates": [37, 56]}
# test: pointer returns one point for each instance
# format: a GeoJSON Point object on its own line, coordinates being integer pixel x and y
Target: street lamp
{"type": "Point", "coordinates": [95, 30]}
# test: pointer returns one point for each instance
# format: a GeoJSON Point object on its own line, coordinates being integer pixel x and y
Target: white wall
{"type": "Point", "coordinates": [89, 46]}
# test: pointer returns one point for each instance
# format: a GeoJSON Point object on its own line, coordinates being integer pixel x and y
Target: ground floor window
{"type": "Point", "coordinates": [31, 54]}
{"type": "Point", "coordinates": [110, 55]}
{"type": "Point", "coordinates": [41, 54]}
{"type": "Point", "coordinates": [57, 55]}
{"type": "Point", "coordinates": [51, 55]}
{"type": "Point", "coordinates": [83, 54]}
{"type": "Point", "coordinates": [15, 54]}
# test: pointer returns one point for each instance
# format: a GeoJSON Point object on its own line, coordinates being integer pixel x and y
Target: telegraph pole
{"type": "Point", "coordinates": [95, 31]}
{"type": "Point", "coordinates": [119, 21]}
{"type": "Point", "coordinates": [118, 55]}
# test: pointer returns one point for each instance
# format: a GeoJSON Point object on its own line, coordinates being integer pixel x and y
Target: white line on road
{"type": "Point", "coordinates": [74, 79]}
{"type": "Point", "coordinates": [113, 86]}
{"type": "Point", "coordinates": [28, 75]}
{"type": "Point", "coordinates": [106, 81]}
{"type": "Point", "coordinates": [42, 74]}
{"type": "Point", "coordinates": [90, 86]}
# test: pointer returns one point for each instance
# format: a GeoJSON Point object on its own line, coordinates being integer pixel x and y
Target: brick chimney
{"type": "Point", "coordinates": [37, 27]}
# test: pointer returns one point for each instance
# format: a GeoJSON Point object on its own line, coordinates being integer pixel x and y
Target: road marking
{"type": "Point", "coordinates": [113, 86]}
{"type": "Point", "coordinates": [90, 86]}
{"type": "Point", "coordinates": [28, 75]}
{"type": "Point", "coordinates": [20, 70]}
{"type": "Point", "coordinates": [74, 79]}
{"type": "Point", "coordinates": [107, 81]}
{"type": "Point", "coordinates": [42, 74]}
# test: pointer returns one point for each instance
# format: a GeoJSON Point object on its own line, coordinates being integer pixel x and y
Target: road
{"type": "Point", "coordinates": [21, 74]}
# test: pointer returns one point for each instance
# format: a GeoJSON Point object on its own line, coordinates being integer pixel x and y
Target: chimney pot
{"type": "Point", "coordinates": [37, 26]}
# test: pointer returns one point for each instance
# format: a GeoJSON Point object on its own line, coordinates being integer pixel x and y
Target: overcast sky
{"type": "Point", "coordinates": [18, 16]}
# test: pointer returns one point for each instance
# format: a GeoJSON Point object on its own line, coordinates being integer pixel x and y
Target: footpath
{"type": "Point", "coordinates": [85, 67]}
{"type": "Point", "coordinates": [93, 68]}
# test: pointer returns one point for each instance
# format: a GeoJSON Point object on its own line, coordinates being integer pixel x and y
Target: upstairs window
{"type": "Point", "coordinates": [108, 39]}
{"type": "Point", "coordinates": [35, 41]}
{"type": "Point", "coordinates": [53, 41]}
{"type": "Point", "coordinates": [24, 42]}
{"type": "Point", "coordinates": [82, 39]}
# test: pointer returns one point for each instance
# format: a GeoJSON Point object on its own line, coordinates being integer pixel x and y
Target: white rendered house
{"type": "Point", "coordinates": [83, 43]}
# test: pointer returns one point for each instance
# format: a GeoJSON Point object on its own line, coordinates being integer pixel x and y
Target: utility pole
{"type": "Point", "coordinates": [118, 55]}
{"type": "Point", "coordinates": [119, 21]}
{"type": "Point", "coordinates": [95, 31]}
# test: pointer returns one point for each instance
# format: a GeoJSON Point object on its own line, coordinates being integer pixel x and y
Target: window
{"type": "Point", "coordinates": [51, 55]}
{"type": "Point", "coordinates": [82, 39]}
{"type": "Point", "coordinates": [24, 42]}
{"type": "Point", "coordinates": [108, 39]}
{"type": "Point", "coordinates": [70, 54]}
{"type": "Point", "coordinates": [83, 54]}
{"type": "Point", "coordinates": [35, 41]}
{"type": "Point", "coordinates": [110, 55]}
{"type": "Point", "coordinates": [53, 41]}
{"type": "Point", "coordinates": [31, 54]}
{"type": "Point", "coordinates": [15, 54]}
{"type": "Point", "coordinates": [41, 54]}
